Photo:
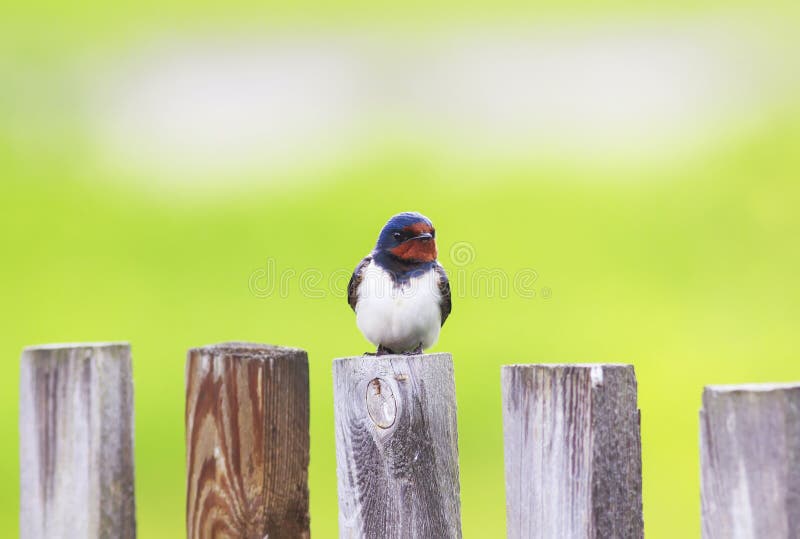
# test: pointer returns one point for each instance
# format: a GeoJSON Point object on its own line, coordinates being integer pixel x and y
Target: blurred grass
{"type": "Point", "coordinates": [689, 272]}
{"type": "Point", "coordinates": [691, 277]}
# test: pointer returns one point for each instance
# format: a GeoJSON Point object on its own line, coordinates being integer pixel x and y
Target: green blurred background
{"type": "Point", "coordinates": [157, 159]}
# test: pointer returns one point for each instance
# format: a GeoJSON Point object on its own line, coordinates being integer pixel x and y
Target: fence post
{"type": "Point", "coordinates": [572, 451]}
{"type": "Point", "coordinates": [750, 461]}
{"type": "Point", "coordinates": [247, 442]}
{"type": "Point", "coordinates": [76, 442]}
{"type": "Point", "coordinates": [396, 446]}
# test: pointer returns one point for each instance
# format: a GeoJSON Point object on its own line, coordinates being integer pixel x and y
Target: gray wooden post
{"type": "Point", "coordinates": [572, 451]}
{"type": "Point", "coordinates": [247, 442]}
{"type": "Point", "coordinates": [76, 442]}
{"type": "Point", "coordinates": [396, 447]}
{"type": "Point", "coordinates": [750, 461]}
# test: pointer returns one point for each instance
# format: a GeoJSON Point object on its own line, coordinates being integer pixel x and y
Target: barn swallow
{"type": "Point", "coordinates": [399, 292]}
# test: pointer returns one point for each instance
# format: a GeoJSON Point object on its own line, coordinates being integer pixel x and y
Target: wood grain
{"type": "Point", "coordinates": [572, 451]}
{"type": "Point", "coordinates": [76, 442]}
{"type": "Point", "coordinates": [750, 461]}
{"type": "Point", "coordinates": [247, 442]}
{"type": "Point", "coordinates": [397, 447]}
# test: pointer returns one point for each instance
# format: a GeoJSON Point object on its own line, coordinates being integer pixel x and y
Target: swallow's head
{"type": "Point", "coordinates": [410, 237]}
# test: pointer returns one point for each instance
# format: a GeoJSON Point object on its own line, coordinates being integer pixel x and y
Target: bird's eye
{"type": "Point", "coordinates": [398, 236]}
{"type": "Point", "coordinates": [433, 233]}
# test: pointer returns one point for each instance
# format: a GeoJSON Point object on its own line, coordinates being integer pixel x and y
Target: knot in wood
{"type": "Point", "coordinates": [381, 404]}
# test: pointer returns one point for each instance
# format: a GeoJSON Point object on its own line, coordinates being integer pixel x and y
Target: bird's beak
{"type": "Point", "coordinates": [424, 236]}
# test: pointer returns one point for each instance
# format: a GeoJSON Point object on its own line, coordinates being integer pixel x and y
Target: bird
{"type": "Point", "coordinates": [399, 292]}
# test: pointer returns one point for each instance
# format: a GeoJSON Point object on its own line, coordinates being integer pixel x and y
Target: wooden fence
{"type": "Point", "coordinates": [572, 448]}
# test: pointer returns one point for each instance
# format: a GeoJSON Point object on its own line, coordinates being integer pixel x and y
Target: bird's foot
{"type": "Point", "coordinates": [383, 351]}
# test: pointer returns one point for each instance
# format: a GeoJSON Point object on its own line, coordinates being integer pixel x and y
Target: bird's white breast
{"type": "Point", "coordinates": [399, 316]}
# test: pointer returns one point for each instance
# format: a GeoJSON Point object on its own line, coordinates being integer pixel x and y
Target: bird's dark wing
{"type": "Point", "coordinates": [446, 304]}
{"type": "Point", "coordinates": [355, 280]}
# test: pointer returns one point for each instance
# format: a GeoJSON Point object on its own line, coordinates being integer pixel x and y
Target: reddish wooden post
{"type": "Point", "coordinates": [247, 442]}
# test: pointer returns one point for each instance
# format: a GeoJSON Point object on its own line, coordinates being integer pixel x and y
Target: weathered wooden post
{"type": "Point", "coordinates": [76, 442]}
{"type": "Point", "coordinates": [396, 447]}
{"type": "Point", "coordinates": [247, 442]}
{"type": "Point", "coordinates": [572, 451]}
{"type": "Point", "coordinates": [750, 461]}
